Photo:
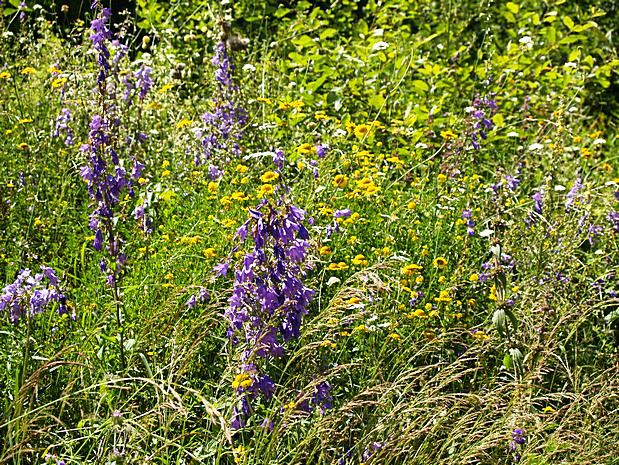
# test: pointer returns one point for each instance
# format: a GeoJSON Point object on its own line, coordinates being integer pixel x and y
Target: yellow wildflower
{"type": "Point", "coordinates": [340, 181]}
{"type": "Point", "coordinates": [443, 297]}
{"type": "Point", "coordinates": [411, 269]}
{"type": "Point", "coordinates": [448, 134]}
{"type": "Point", "coordinates": [480, 335]}
{"type": "Point", "coordinates": [266, 189]}
{"type": "Point", "coordinates": [440, 262]}
{"type": "Point", "coordinates": [320, 116]}
{"type": "Point", "coordinates": [306, 149]}
{"type": "Point", "coordinates": [362, 130]}
{"type": "Point", "coordinates": [325, 250]}
{"type": "Point", "coordinates": [269, 176]}
{"type": "Point", "coordinates": [337, 266]}
{"type": "Point", "coordinates": [419, 313]}
{"type": "Point", "coordinates": [242, 381]}
{"type": "Point", "coordinates": [183, 123]}
{"type": "Point", "coordinates": [58, 83]}
{"type": "Point", "coordinates": [210, 253]}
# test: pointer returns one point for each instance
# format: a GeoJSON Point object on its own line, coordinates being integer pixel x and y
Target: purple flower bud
{"type": "Point", "coordinates": [345, 213]}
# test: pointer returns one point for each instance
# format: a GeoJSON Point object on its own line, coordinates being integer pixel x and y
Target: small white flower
{"type": "Point", "coordinates": [536, 146]}
{"type": "Point", "coordinates": [380, 46]}
{"type": "Point", "coordinates": [249, 67]}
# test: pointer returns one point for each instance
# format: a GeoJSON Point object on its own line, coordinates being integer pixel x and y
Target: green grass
{"type": "Point", "coordinates": [511, 327]}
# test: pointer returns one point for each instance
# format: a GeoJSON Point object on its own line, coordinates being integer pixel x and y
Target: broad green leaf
{"type": "Point", "coordinates": [511, 6]}
{"type": "Point", "coordinates": [303, 41]}
{"type": "Point", "coordinates": [574, 55]}
{"type": "Point", "coordinates": [281, 12]}
{"type": "Point", "coordinates": [377, 101]}
{"type": "Point", "coordinates": [568, 22]}
{"type": "Point", "coordinates": [298, 59]}
{"type": "Point", "coordinates": [421, 85]}
{"type": "Point", "coordinates": [328, 33]}
{"type": "Point", "coordinates": [499, 320]}
{"type": "Point", "coordinates": [498, 120]}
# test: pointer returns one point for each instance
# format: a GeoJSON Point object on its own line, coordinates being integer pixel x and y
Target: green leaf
{"type": "Point", "coordinates": [512, 318]}
{"type": "Point", "coordinates": [517, 358]}
{"type": "Point", "coordinates": [281, 12]}
{"type": "Point", "coordinates": [574, 55]}
{"type": "Point", "coordinates": [421, 86]}
{"type": "Point", "coordinates": [377, 101]}
{"type": "Point", "coordinates": [498, 120]}
{"type": "Point", "coordinates": [571, 39]}
{"type": "Point", "coordinates": [328, 33]}
{"type": "Point", "coordinates": [507, 361]}
{"type": "Point", "coordinates": [509, 16]}
{"type": "Point", "coordinates": [303, 41]}
{"type": "Point", "coordinates": [499, 320]}
{"type": "Point", "coordinates": [568, 22]}
{"type": "Point", "coordinates": [315, 85]}
{"type": "Point", "coordinates": [513, 7]}
{"type": "Point", "coordinates": [298, 59]}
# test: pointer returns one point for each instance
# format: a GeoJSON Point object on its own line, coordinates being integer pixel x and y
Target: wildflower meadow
{"type": "Point", "coordinates": [309, 232]}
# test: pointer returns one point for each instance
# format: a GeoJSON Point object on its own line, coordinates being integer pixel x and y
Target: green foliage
{"type": "Point", "coordinates": [452, 307]}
